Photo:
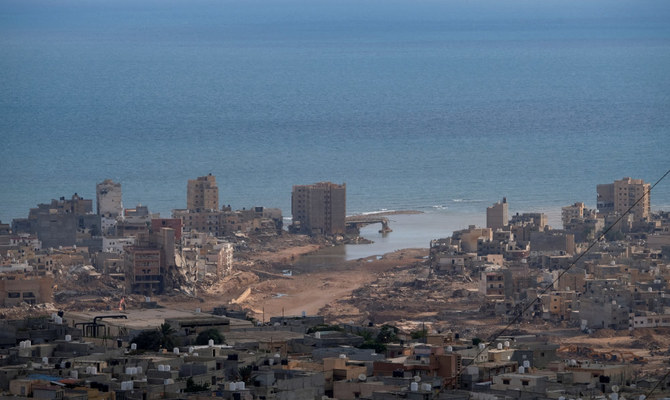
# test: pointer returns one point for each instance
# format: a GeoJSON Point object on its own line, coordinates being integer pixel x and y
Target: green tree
{"type": "Point", "coordinates": [419, 334]}
{"type": "Point", "coordinates": [192, 387]}
{"type": "Point", "coordinates": [148, 340]}
{"type": "Point", "coordinates": [155, 339]}
{"type": "Point", "coordinates": [366, 335]}
{"type": "Point", "coordinates": [167, 339]}
{"type": "Point", "coordinates": [378, 347]}
{"type": "Point", "coordinates": [244, 373]}
{"type": "Point", "coordinates": [387, 334]}
{"type": "Point", "coordinates": [204, 337]}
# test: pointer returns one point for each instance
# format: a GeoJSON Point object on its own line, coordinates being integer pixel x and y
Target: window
{"type": "Point", "coordinates": [13, 295]}
{"type": "Point", "coordinates": [524, 383]}
{"type": "Point", "coordinates": [505, 381]}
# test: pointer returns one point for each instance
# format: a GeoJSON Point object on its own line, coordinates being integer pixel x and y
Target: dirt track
{"type": "Point", "coordinates": [304, 291]}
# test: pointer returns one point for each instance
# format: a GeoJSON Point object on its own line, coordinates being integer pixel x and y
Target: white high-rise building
{"type": "Point", "coordinates": [108, 198]}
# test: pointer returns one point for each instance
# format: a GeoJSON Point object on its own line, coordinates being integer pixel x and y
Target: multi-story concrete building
{"type": "Point", "coordinates": [517, 382]}
{"type": "Point", "coordinates": [113, 244]}
{"type": "Point", "coordinates": [618, 197]}
{"type": "Point", "coordinates": [468, 237]}
{"type": "Point", "coordinates": [173, 223]}
{"type": "Point", "coordinates": [25, 287]}
{"type": "Point", "coordinates": [223, 257]}
{"type": "Point", "coordinates": [108, 199]}
{"type": "Point", "coordinates": [497, 215]}
{"type": "Point", "coordinates": [149, 260]}
{"type": "Point", "coordinates": [495, 281]}
{"type": "Point", "coordinates": [575, 211]}
{"type": "Point", "coordinates": [109, 205]}
{"type": "Point", "coordinates": [538, 220]}
{"type": "Point", "coordinates": [582, 222]}
{"type": "Point", "coordinates": [552, 242]}
{"type": "Point", "coordinates": [135, 221]}
{"type": "Point", "coordinates": [202, 194]}
{"type": "Point", "coordinates": [207, 221]}
{"type": "Point", "coordinates": [62, 222]}
{"type": "Point", "coordinates": [319, 208]}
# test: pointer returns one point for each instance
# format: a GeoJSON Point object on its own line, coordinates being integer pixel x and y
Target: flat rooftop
{"type": "Point", "coordinates": [234, 337]}
{"type": "Point", "coordinates": [149, 318]}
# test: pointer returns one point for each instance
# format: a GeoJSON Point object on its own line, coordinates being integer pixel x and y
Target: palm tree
{"type": "Point", "coordinates": [167, 339]}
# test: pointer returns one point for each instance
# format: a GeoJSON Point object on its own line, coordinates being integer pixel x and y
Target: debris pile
{"type": "Point", "coordinates": [408, 292]}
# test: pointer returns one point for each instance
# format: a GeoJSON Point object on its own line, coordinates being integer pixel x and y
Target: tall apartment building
{"type": "Point", "coordinates": [108, 199]}
{"type": "Point", "coordinates": [575, 211]}
{"type": "Point", "coordinates": [618, 197]}
{"type": "Point", "coordinates": [202, 194]}
{"type": "Point", "coordinates": [63, 222]}
{"type": "Point", "coordinates": [497, 215]}
{"type": "Point", "coordinates": [208, 221]}
{"type": "Point", "coordinates": [149, 261]}
{"type": "Point", "coordinates": [319, 208]}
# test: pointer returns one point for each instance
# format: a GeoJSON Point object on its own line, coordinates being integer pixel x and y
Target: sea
{"type": "Point", "coordinates": [440, 106]}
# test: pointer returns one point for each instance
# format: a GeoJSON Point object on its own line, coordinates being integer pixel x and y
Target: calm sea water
{"type": "Point", "coordinates": [443, 107]}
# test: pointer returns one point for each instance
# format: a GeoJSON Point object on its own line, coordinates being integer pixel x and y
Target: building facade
{"type": "Point", "coordinates": [618, 197]}
{"type": "Point", "coordinates": [63, 222]}
{"type": "Point", "coordinates": [17, 288]}
{"type": "Point", "coordinates": [319, 208]}
{"type": "Point", "coordinates": [575, 211]}
{"type": "Point", "coordinates": [202, 194]}
{"type": "Point", "coordinates": [108, 199]}
{"type": "Point", "coordinates": [149, 261]}
{"type": "Point", "coordinates": [497, 215]}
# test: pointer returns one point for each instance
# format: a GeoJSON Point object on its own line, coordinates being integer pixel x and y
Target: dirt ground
{"type": "Point", "coordinates": [274, 294]}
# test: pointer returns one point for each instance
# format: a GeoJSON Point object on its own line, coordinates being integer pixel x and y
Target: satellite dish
{"type": "Point", "coordinates": [615, 389]}
{"type": "Point", "coordinates": [417, 378]}
{"type": "Point", "coordinates": [362, 377]}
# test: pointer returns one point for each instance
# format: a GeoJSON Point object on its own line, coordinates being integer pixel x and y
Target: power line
{"type": "Point", "coordinates": [572, 264]}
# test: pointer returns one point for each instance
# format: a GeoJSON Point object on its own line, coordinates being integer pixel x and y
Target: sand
{"type": "Point", "coordinates": [273, 294]}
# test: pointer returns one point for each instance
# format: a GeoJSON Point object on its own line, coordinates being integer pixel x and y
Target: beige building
{"type": "Point", "coordinates": [618, 197]}
{"type": "Point", "coordinates": [221, 255]}
{"type": "Point", "coordinates": [495, 281]}
{"type": "Point", "coordinates": [497, 215]}
{"type": "Point", "coordinates": [469, 237]}
{"type": "Point", "coordinates": [319, 208]}
{"type": "Point", "coordinates": [148, 262]}
{"type": "Point", "coordinates": [575, 211]}
{"type": "Point", "coordinates": [520, 382]}
{"type": "Point", "coordinates": [208, 221]}
{"type": "Point", "coordinates": [17, 288]}
{"type": "Point", "coordinates": [202, 194]}
{"type": "Point", "coordinates": [559, 304]}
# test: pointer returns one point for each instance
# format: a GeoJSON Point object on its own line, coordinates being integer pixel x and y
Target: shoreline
{"type": "Point", "coordinates": [387, 212]}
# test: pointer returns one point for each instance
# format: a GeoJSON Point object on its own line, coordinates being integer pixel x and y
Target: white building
{"type": "Point", "coordinates": [108, 198]}
{"type": "Point", "coordinates": [116, 244]}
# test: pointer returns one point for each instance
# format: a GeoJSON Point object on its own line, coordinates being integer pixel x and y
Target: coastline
{"type": "Point", "coordinates": [382, 213]}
